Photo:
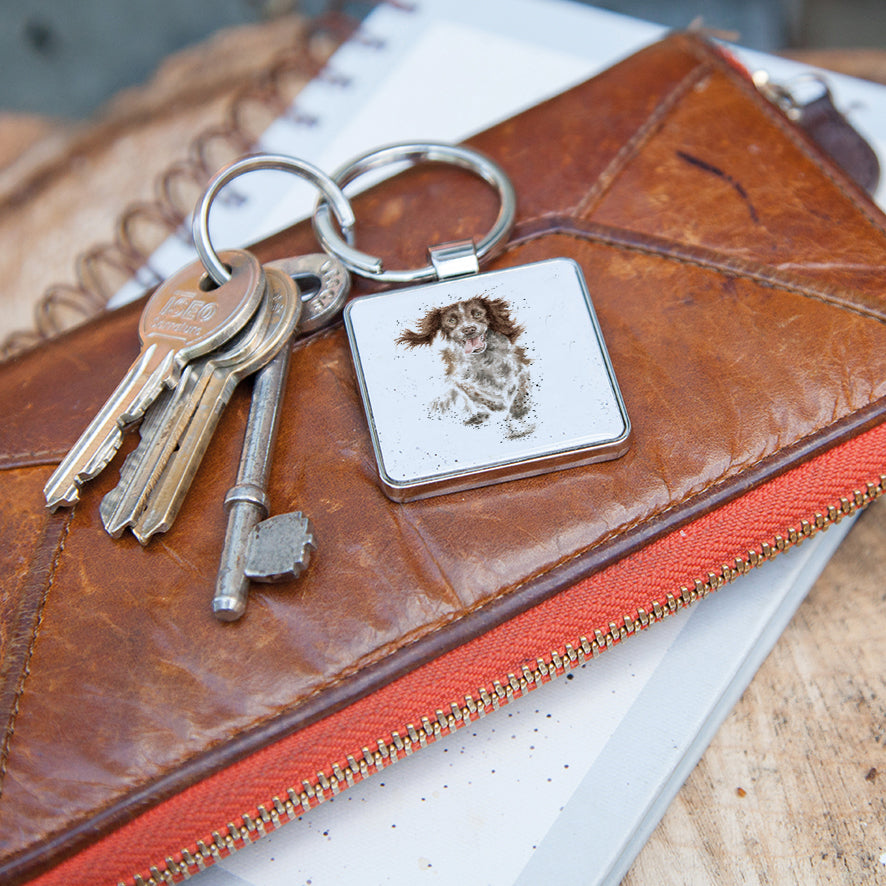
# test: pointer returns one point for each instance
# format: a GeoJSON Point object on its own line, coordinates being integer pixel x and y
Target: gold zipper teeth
{"type": "Point", "coordinates": [269, 816]}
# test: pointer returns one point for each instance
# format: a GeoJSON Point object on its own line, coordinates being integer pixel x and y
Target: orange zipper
{"type": "Point", "coordinates": [232, 808]}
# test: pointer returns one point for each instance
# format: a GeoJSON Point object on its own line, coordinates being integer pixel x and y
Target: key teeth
{"type": "Point", "coordinates": [102, 458]}
{"type": "Point", "coordinates": [126, 405]}
{"type": "Point", "coordinates": [106, 510]}
{"type": "Point", "coordinates": [109, 504]}
{"type": "Point", "coordinates": [124, 504]}
{"type": "Point", "coordinates": [115, 530]}
{"type": "Point", "coordinates": [70, 495]}
{"type": "Point", "coordinates": [113, 521]}
{"type": "Point", "coordinates": [68, 499]}
{"type": "Point", "coordinates": [144, 534]}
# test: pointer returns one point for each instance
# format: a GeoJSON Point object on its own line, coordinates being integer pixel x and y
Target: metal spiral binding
{"type": "Point", "coordinates": [141, 227]}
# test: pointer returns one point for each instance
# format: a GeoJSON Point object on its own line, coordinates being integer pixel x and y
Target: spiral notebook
{"type": "Point", "coordinates": [561, 781]}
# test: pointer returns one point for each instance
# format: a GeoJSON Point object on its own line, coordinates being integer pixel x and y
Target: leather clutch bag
{"type": "Point", "coordinates": [736, 276]}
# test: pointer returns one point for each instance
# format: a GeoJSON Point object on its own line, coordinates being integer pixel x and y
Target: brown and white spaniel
{"type": "Point", "coordinates": [485, 370]}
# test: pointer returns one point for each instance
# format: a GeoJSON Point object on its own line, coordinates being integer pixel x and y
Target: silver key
{"type": "Point", "coordinates": [182, 320]}
{"type": "Point", "coordinates": [280, 547]}
{"type": "Point", "coordinates": [147, 429]}
{"type": "Point", "coordinates": [161, 434]}
{"type": "Point", "coordinates": [165, 499]}
{"type": "Point", "coordinates": [123, 501]}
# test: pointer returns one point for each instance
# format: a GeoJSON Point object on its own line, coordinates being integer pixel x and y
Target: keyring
{"type": "Point", "coordinates": [419, 152]}
{"type": "Point", "coordinates": [200, 225]}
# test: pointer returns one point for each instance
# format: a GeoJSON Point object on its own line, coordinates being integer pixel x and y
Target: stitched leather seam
{"type": "Point", "coordinates": [27, 458]}
{"type": "Point", "coordinates": [709, 61]}
{"type": "Point", "coordinates": [705, 53]}
{"type": "Point", "coordinates": [9, 459]}
{"type": "Point", "coordinates": [665, 249]}
{"type": "Point", "coordinates": [26, 670]}
{"type": "Point", "coordinates": [638, 140]}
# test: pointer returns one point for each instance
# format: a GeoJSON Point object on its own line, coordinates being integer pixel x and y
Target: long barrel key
{"type": "Point", "coordinates": [279, 547]}
{"type": "Point", "coordinates": [165, 499]}
{"type": "Point", "coordinates": [182, 320]}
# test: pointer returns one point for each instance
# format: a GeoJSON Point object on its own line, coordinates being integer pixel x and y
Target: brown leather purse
{"type": "Point", "coordinates": [736, 275]}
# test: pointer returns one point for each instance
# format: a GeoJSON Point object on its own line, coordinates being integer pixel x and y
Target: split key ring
{"type": "Point", "coordinates": [332, 193]}
{"type": "Point", "coordinates": [411, 154]}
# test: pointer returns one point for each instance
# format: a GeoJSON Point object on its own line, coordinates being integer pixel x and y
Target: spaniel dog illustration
{"type": "Point", "coordinates": [486, 372]}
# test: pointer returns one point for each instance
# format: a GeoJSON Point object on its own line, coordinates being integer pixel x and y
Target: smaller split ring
{"type": "Point", "coordinates": [331, 192]}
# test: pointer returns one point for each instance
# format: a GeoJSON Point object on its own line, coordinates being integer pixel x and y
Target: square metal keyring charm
{"type": "Point", "coordinates": [485, 378]}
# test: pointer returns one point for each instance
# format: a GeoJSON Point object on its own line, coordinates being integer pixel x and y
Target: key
{"type": "Point", "coordinates": [182, 320]}
{"type": "Point", "coordinates": [148, 430]}
{"type": "Point", "coordinates": [328, 281]}
{"type": "Point", "coordinates": [280, 547]}
{"type": "Point", "coordinates": [165, 499]}
{"type": "Point", "coordinates": [123, 501]}
{"type": "Point", "coordinates": [161, 433]}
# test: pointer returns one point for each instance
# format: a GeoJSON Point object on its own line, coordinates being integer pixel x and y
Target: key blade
{"type": "Point", "coordinates": [100, 441]}
{"type": "Point", "coordinates": [246, 508]}
{"type": "Point", "coordinates": [146, 430]}
{"type": "Point", "coordinates": [184, 319]}
{"type": "Point", "coordinates": [165, 500]}
{"type": "Point", "coordinates": [160, 432]}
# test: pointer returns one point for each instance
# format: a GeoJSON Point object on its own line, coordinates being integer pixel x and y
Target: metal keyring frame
{"type": "Point", "coordinates": [419, 152]}
{"type": "Point", "coordinates": [200, 225]}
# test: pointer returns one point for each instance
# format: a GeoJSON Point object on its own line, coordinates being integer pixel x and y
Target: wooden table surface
{"type": "Point", "coordinates": [793, 787]}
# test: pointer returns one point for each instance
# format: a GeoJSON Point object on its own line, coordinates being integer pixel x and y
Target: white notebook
{"type": "Point", "coordinates": [561, 783]}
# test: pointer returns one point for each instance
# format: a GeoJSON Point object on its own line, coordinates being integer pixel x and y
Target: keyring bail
{"type": "Point", "coordinates": [413, 153]}
{"type": "Point", "coordinates": [328, 188]}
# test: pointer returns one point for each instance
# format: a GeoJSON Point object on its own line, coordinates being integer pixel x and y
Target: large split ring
{"type": "Point", "coordinates": [411, 154]}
